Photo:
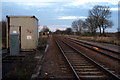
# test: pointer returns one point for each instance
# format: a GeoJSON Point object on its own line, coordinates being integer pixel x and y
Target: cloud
{"type": "Point", "coordinates": [72, 17]}
{"type": "Point", "coordinates": [82, 2]}
{"type": "Point", "coordinates": [111, 29]}
{"type": "Point", "coordinates": [72, 2]}
{"type": "Point", "coordinates": [35, 0]}
{"type": "Point", "coordinates": [114, 9]}
{"type": "Point", "coordinates": [52, 12]}
{"type": "Point", "coordinates": [55, 27]}
{"type": "Point", "coordinates": [35, 4]}
{"type": "Point", "coordinates": [1, 11]}
{"type": "Point", "coordinates": [60, 27]}
{"type": "Point", "coordinates": [59, 9]}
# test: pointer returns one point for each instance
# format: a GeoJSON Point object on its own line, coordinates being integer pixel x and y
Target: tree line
{"type": "Point", "coordinates": [98, 20]}
{"type": "Point", "coordinates": [67, 31]}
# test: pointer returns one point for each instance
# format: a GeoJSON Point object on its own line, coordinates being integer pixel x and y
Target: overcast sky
{"type": "Point", "coordinates": [58, 14]}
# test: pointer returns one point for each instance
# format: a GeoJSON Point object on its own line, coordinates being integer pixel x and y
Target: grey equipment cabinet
{"type": "Point", "coordinates": [14, 44]}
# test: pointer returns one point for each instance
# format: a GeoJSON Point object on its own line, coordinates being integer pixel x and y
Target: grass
{"type": "Point", "coordinates": [109, 40]}
{"type": "Point", "coordinates": [42, 43]}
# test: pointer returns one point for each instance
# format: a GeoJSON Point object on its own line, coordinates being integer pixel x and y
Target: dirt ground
{"type": "Point", "coordinates": [21, 70]}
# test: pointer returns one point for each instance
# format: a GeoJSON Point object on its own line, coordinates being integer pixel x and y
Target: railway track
{"type": "Point", "coordinates": [109, 53]}
{"type": "Point", "coordinates": [82, 66]}
{"type": "Point", "coordinates": [64, 66]}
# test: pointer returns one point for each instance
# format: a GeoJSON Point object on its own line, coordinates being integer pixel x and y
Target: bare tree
{"type": "Point", "coordinates": [106, 24]}
{"type": "Point", "coordinates": [45, 29]}
{"type": "Point", "coordinates": [90, 24]}
{"type": "Point", "coordinates": [58, 31]}
{"type": "Point", "coordinates": [68, 31]}
{"type": "Point", "coordinates": [101, 16]}
{"type": "Point", "coordinates": [80, 25]}
{"type": "Point", "coordinates": [75, 26]}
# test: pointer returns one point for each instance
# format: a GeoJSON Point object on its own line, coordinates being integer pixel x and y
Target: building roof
{"type": "Point", "coordinates": [22, 17]}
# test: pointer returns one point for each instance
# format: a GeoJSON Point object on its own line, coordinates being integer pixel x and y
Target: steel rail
{"type": "Point", "coordinates": [97, 64]}
{"type": "Point", "coordinates": [95, 46]}
{"type": "Point", "coordinates": [76, 75]}
{"type": "Point", "coordinates": [97, 50]}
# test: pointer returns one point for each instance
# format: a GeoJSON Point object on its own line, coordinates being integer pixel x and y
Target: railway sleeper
{"type": "Point", "coordinates": [84, 66]}
{"type": "Point", "coordinates": [86, 69]}
{"type": "Point", "coordinates": [90, 73]}
{"type": "Point", "coordinates": [94, 77]}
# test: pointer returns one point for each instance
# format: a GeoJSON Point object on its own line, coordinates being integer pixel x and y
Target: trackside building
{"type": "Point", "coordinates": [26, 27]}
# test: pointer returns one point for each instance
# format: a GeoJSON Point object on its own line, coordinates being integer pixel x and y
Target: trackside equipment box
{"type": "Point", "coordinates": [27, 28]}
{"type": "Point", "coordinates": [14, 44]}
